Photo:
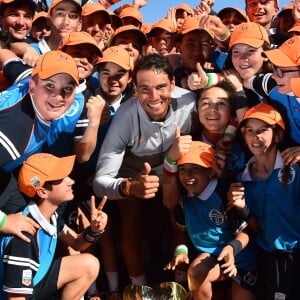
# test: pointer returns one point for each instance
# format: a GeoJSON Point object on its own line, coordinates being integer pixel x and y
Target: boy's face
{"type": "Point", "coordinates": [84, 57]}
{"type": "Point", "coordinates": [40, 29]}
{"type": "Point", "coordinates": [113, 80]}
{"type": "Point", "coordinates": [95, 24]}
{"type": "Point", "coordinates": [61, 191]}
{"type": "Point", "coordinates": [64, 19]}
{"type": "Point", "coordinates": [194, 178]}
{"type": "Point", "coordinates": [195, 46]}
{"type": "Point", "coordinates": [283, 77]}
{"type": "Point", "coordinates": [261, 11]}
{"type": "Point", "coordinates": [214, 110]}
{"type": "Point", "coordinates": [161, 40]}
{"type": "Point", "coordinates": [130, 42]}
{"type": "Point", "coordinates": [153, 88]}
{"type": "Point", "coordinates": [17, 21]}
{"type": "Point", "coordinates": [52, 97]}
{"type": "Point", "coordinates": [247, 61]}
{"type": "Point", "coordinates": [259, 136]}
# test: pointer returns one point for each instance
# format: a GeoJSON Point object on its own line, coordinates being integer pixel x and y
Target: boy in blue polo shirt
{"type": "Point", "coordinates": [30, 269]}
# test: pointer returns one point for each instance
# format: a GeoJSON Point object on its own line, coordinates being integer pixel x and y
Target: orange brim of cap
{"type": "Point", "coordinates": [255, 43]}
{"type": "Point", "coordinates": [279, 58]}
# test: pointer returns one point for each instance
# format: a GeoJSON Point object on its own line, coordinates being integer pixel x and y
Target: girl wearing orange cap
{"type": "Point", "coordinates": [267, 196]}
{"type": "Point", "coordinates": [220, 254]}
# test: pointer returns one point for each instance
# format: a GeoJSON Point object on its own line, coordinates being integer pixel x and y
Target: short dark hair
{"type": "Point", "coordinates": [153, 61]}
{"type": "Point", "coordinates": [15, 4]}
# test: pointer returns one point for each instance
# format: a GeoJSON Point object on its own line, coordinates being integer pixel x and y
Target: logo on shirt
{"type": "Point", "coordinates": [286, 177]}
{"type": "Point", "coordinates": [27, 277]}
{"type": "Point", "coordinates": [216, 217]}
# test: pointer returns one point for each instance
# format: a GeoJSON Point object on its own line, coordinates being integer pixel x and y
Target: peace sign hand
{"type": "Point", "coordinates": [98, 217]}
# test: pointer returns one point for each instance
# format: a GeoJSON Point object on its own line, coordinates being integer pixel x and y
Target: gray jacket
{"type": "Point", "coordinates": [133, 139]}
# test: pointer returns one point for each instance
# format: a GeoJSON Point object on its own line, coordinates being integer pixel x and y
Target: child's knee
{"type": "Point", "coordinates": [91, 265]}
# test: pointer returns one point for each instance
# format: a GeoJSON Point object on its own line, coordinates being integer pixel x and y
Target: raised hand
{"type": "Point", "coordinates": [95, 106]}
{"type": "Point", "coordinates": [180, 146]}
{"type": "Point", "coordinates": [98, 217]}
{"type": "Point", "coordinates": [197, 80]}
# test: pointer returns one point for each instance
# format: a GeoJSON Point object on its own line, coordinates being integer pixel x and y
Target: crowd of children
{"type": "Point", "coordinates": [187, 129]}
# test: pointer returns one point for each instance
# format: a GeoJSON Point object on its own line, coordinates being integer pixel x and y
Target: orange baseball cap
{"type": "Point", "coordinates": [296, 27]}
{"type": "Point", "coordinates": [295, 85]}
{"type": "Point", "coordinates": [185, 7]}
{"type": "Point", "coordinates": [78, 38]}
{"type": "Point", "coordinates": [117, 55]}
{"type": "Point", "coordinates": [125, 28]}
{"type": "Point", "coordinates": [42, 167]}
{"type": "Point", "coordinates": [56, 2]}
{"type": "Point", "coordinates": [131, 11]}
{"type": "Point", "coordinates": [229, 9]}
{"type": "Point", "coordinates": [40, 15]}
{"type": "Point", "coordinates": [200, 153]}
{"type": "Point", "coordinates": [249, 33]}
{"type": "Point", "coordinates": [265, 113]}
{"type": "Point", "coordinates": [93, 7]}
{"type": "Point", "coordinates": [55, 62]}
{"type": "Point", "coordinates": [192, 24]}
{"type": "Point", "coordinates": [146, 28]}
{"type": "Point", "coordinates": [287, 55]}
{"type": "Point", "coordinates": [165, 24]}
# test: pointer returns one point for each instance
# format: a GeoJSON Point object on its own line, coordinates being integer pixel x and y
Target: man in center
{"type": "Point", "coordinates": [130, 162]}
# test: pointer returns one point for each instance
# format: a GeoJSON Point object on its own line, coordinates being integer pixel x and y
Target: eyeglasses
{"type": "Point", "coordinates": [279, 72]}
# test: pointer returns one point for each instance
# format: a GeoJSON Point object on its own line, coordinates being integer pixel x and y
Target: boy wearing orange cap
{"type": "Point", "coordinates": [189, 180]}
{"type": "Point", "coordinates": [161, 37]}
{"type": "Point", "coordinates": [40, 26]}
{"type": "Point", "coordinates": [27, 111]}
{"type": "Point", "coordinates": [45, 178]}
{"type": "Point", "coordinates": [114, 69]}
{"type": "Point", "coordinates": [64, 17]}
{"type": "Point", "coordinates": [267, 194]}
{"type": "Point", "coordinates": [95, 19]}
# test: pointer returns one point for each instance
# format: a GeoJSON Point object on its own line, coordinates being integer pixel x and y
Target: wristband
{"type": "Point", "coordinates": [244, 212]}
{"type": "Point", "coordinates": [212, 79]}
{"type": "Point", "coordinates": [3, 219]}
{"type": "Point", "coordinates": [170, 166]}
{"type": "Point", "coordinates": [169, 160]}
{"type": "Point", "coordinates": [91, 236]}
{"type": "Point", "coordinates": [236, 245]}
{"type": "Point", "coordinates": [225, 36]}
{"type": "Point", "coordinates": [181, 249]}
{"type": "Point", "coordinates": [231, 129]}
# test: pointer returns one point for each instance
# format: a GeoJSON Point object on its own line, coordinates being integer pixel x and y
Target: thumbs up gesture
{"type": "Point", "coordinates": [197, 80]}
{"type": "Point", "coordinates": [180, 146]}
{"type": "Point", "coordinates": [144, 185]}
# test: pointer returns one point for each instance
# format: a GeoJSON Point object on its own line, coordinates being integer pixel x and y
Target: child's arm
{"type": "Point", "coordinates": [90, 235]}
{"type": "Point", "coordinates": [180, 257]}
{"type": "Point", "coordinates": [230, 251]}
{"type": "Point", "coordinates": [85, 147]}
{"type": "Point", "coordinates": [171, 191]}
